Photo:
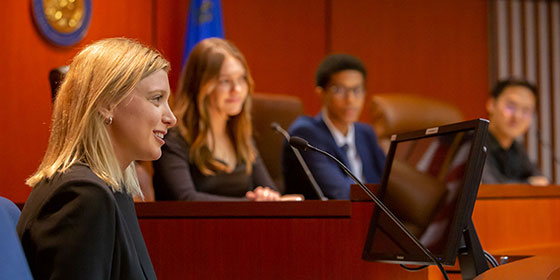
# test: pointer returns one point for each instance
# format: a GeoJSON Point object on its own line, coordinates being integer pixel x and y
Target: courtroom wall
{"type": "Point", "coordinates": [433, 48]}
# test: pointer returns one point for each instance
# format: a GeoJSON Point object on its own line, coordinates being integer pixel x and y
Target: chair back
{"type": "Point", "coordinates": [56, 76]}
{"type": "Point", "coordinates": [268, 108]}
{"type": "Point", "coordinates": [396, 113]}
{"type": "Point", "coordinates": [13, 264]}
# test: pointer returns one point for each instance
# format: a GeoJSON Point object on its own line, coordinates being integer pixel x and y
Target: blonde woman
{"type": "Point", "coordinates": [211, 154]}
{"type": "Point", "coordinates": [79, 221]}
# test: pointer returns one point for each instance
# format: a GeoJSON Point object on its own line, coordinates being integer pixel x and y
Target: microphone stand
{"type": "Point", "coordinates": [300, 143]}
{"type": "Point", "coordinates": [304, 166]}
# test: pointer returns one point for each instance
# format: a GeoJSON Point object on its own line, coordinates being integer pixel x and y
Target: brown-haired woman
{"type": "Point", "coordinates": [210, 155]}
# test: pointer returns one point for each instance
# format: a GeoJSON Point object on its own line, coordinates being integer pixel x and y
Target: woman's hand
{"type": "Point", "coordinates": [538, 181]}
{"type": "Point", "coordinates": [262, 194]}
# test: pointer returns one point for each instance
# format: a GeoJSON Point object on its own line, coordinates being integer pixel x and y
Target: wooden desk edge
{"type": "Point", "coordinates": [214, 209]}
{"type": "Point", "coordinates": [485, 192]}
{"type": "Point", "coordinates": [517, 191]}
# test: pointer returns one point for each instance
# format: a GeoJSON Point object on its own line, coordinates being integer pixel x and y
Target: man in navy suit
{"type": "Point", "coordinates": [340, 81]}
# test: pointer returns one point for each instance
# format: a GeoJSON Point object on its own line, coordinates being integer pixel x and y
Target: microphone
{"type": "Point", "coordinates": [302, 145]}
{"type": "Point", "coordinates": [314, 184]}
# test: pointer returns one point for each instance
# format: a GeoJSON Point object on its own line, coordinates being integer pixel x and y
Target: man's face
{"type": "Point", "coordinates": [512, 112]}
{"type": "Point", "coordinates": [344, 97]}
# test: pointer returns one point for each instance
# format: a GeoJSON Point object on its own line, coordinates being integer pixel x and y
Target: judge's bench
{"type": "Point", "coordinates": [325, 239]}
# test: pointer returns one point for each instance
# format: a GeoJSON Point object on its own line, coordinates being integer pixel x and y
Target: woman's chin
{"type": "Point", "coordinates": [153, 155]}
{"type": "Point", "coordinates": [233, 113]}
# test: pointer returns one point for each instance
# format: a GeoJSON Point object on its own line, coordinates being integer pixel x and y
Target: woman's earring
{"type": "Point", "coordinates": [109, 120]}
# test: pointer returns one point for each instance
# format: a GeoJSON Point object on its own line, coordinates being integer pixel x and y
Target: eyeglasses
{"type": "Point", "coordinates": [512, 108]}
{"type": "Point", "coordinates": [342, 91]}
{"type": "Point", "coordinates": [228, 84]}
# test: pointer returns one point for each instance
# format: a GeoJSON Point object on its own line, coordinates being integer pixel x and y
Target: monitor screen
{"type": "Point", "coordinates": [430, 183]}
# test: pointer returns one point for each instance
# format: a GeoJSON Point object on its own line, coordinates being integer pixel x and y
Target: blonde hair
{"type": "Point", "coordinates": [198, 79]}
{"type": "Point", "coordinates": [100, 76]}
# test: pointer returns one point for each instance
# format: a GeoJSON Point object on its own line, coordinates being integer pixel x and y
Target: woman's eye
{"type": "Point", "coordinates": [157, 98]}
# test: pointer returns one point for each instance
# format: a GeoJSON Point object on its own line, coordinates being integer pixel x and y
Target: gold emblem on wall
{"type": "Point", "coordinates": [63, 22]}
{"type": "Point", "coordinates": [64, 15]}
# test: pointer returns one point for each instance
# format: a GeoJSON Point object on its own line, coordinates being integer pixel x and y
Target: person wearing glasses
{"type": "Point", "coordinates": [511, 108]}
{"type": "Point", "coordinates": [340, 83]}
{"type": "Point", "coordinates": [211, 155]}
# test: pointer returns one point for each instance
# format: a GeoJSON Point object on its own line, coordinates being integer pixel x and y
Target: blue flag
{"type": "Point", "coordinates": [203, 21]}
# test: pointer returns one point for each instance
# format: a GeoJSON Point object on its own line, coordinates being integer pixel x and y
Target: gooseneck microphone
{"type": "Point", "coordinates": [304, 166]}
{"type": "Point", "coordinates": [302, 145]}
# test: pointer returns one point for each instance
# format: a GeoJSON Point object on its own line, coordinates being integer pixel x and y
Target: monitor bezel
{"type": "Point", "coordinates": [465, 201]}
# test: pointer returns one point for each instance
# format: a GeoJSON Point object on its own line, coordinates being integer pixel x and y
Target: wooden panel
{"type": "Point", "coordinates": [283, 41]}
{"type": "Point", "coordinates": [169, 37]}
{"type": "Point", "coordinates": [513, 191]}
{"type": "Point", "coordinates": [206, 209]}
{"type": "Point", "coordinates": [297, 247]}
{"type": "Point", "coordinates": [432, 48]}
{"type": "Point", "coordinates": [521, 220]}
{"type": "Point", "coordinates": [26, 59]}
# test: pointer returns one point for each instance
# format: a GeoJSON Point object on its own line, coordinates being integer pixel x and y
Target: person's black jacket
{"type": "Point", "coordinates": [74, 227]}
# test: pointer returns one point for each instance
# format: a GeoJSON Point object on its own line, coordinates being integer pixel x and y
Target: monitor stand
{"type": "Point", "coordinates": [471, 255]}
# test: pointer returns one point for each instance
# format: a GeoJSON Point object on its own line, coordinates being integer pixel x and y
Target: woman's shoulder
{"type": "Point", "coordinates": [79, 173]}
{"type": "Point", "coordinates": [78, 190]}
{"type": "Point", "coordinates": [77, 183]}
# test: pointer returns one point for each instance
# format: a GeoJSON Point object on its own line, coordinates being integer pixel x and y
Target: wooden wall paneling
{"type": "Point", "coordinates": [27, 58]}
{"type": "Point", "coordinates": [22, 141]}
{"type": "Point", "coordinates": [501, 48]}
{"type": "Point", "coordinates": [169, 37]}
{"type": "Point", "coordinates": [553, 113]}
{"type": "Point", "coordinates": [516, 39]}
{"type": "Point", "coordinates": [511, 224]}
{"type": "Point", "coordinates": [432, 48]}
{"type": "Point", "coordinates": [544, 87]}
{"type": "Point", "coordinates": [555, 84]}
{"type": "Point", "coordinates": [530, 71]}
{"type": "Point", "coordinates": [283, 42]}
{"type": "Point", "coordinates": [281, 246]}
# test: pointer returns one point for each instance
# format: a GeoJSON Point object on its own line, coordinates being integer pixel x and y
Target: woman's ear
{"type": "Point", "coordinates": [106, 113]}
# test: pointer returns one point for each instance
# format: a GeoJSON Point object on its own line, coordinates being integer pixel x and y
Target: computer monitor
{"type": "Point", "coordinates": [430, 183]}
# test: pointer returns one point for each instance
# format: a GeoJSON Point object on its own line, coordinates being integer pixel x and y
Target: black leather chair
{"type": "Point", "coordinates": [56, 76]}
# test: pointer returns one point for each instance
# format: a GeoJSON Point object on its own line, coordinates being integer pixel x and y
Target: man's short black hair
{"type": "Point", "coordinates": [335, 63]}
{"type": "Point", "coordinates": [512, 82]}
